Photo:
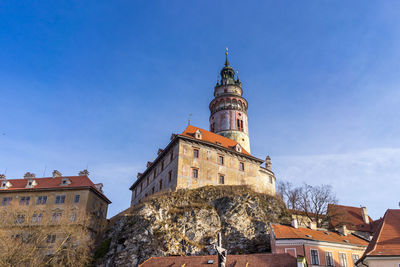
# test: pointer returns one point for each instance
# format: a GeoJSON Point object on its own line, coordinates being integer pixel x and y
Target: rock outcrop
{"type": "Point", "coordinates": [186, 222]}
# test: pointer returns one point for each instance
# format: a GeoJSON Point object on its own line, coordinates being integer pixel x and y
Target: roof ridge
{"type": "Point", "coordinates": [378, 234]}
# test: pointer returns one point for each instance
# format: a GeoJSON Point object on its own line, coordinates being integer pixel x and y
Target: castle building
{"type": "Point", "coordinates": [221, 156]}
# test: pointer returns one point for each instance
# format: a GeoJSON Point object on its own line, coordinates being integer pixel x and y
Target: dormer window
{"type": "Point", "coordinates": [238, 148]}
{"type": "Point", "coordinates": [65, 181]}
{"type": "Point", "coordinates": [198, 134]}
{"type": "Point", "coordinates": [31, 183]}
{"type": "Point", "coordinates": [5, 184]}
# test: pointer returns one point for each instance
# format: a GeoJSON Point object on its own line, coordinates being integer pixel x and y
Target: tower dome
{"type": "Point", "coordinates": [229, 109]}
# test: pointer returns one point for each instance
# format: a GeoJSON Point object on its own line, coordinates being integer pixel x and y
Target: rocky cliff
{"type": "Point", "coordinates": [187, 222]}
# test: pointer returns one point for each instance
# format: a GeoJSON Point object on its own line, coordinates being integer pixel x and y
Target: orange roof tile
{"type": "Point", "coordinates": [386, 240]}
{"type": "Point", "coordinates": [212, 138]}
{"type": "Point", "coordinates": [52, 183]}
{"type": "Point", "coordinates": [249, 260]}
{"type": "Point", "coordinates": [349, 216]}
{"type": "Point", "coordinates": [289, 232]}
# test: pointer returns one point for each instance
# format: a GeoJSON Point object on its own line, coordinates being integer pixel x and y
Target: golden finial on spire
{"type": "Point", "coordinates": [226, 57]}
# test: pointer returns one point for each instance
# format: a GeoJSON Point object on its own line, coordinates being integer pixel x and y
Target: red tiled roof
{"type": "Point", "coordinates": [212, 138]}
{"type": "Point", "coordinates": [349, 216]}
{"type": "Point", "coordinates": [52, 183]}
{"type": "Point", "coordinates": [249, 260]}
{"type": "Point", "coordinates": [289, 232]}
{"type": "Point", "coordinates": [386, 240]}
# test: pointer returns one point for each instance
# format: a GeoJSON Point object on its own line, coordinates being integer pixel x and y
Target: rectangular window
{"type": "Point", "coordinates": [221, 160]}
{"type": "Point", "coordinates": [329, 258]}
{"type": "Point", "coordinates": [6, 201]}
{"type": "Point", "coordinates": [155, 173]}
{"type": "Point", "coordinates": [24, 201]}
{"type": "Point", "coordinates": [241, 166]}
{"type": "Point", "coordinates": [171, 156]}
{"type": "Point", "coordinates": [34, 218]}
{"type": "Point", "coordinates": [20, 219]}
{"type": "Point", "coordinates": [147, 181]}
{"type": "Point", "coordinates": [41, 200]}
{"type": "Point", "coordinates": [169, 176]}
{"type": "Point", "coordinates": [160, 184]}
{"type": "Point", "coordinates": [162, 165]}
{"type": "Point", "coordinates": [314, 257]}
{"type": "Point", "coordinates": [356, 257]}
{"type": "Point", "coordinates": [76, 200]}
{"type": "Point", "coordinates": [221, 179]}
{"type": "Point", "coordinates": [196, 153]}
{"type": "Point", "coordinates": [343, 259]}
{"type": "Point", "coordinates": [60, 199]}
{"type": "Point", "coordinates": [195, 173]}
{"type": "Point", "coordinates": [56, 217]}
{"type": "Point", "coordinates": [73, 217]}
{"type": "Point", "coordinates": [153, 190]}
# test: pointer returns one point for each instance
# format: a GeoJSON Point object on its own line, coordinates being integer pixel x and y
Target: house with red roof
{"type": "Point", "coordinates": [384, 248]}
{"type": "Point", "coordinates": [60, 199]}
{"type": "Point", "coordinates": [354, 219]}
{"type": "Point", "coordinates": [320, 247]}
{"type": "Point", "coordinates": [247, 260]}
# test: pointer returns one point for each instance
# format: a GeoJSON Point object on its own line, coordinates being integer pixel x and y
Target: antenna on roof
{"type": "Point", "coordinates": [190, 116]}
{"type": "Point", "coordinates": [44, 172]}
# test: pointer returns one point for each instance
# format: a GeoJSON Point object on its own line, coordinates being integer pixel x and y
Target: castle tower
{"type": "Point", "coordinates": [229, 109]}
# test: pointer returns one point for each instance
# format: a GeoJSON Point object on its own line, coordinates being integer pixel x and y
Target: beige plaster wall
{"type": "Point", "coordinates": [209, 169]}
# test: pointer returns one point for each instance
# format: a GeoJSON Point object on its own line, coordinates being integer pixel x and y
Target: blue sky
{"type": "Point", "coordinates": [103, 84]}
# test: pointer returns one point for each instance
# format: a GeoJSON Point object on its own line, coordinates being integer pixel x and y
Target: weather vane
{"type": "Point", "coordinates": [190, 116]}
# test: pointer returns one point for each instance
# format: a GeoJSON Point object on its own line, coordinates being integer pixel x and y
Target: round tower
{"type": "Point", "coordinates": [229, 109]}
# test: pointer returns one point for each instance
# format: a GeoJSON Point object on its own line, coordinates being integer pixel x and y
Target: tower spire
{"type": "Point", "coordinates": [229, 109]}
{"type": "Point", "coordinates": [226, 57]}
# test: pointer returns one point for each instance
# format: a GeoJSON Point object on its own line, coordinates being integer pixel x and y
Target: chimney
{"type": "Point", "coordinates": [99, 187]}
{"type": "Point", "coordinates": [56, 174]}
{"type": "Point", "coordinates": [312, 225]}
{"type": "Point", "coordinates": [29, 175]}
{"type": "Point", "coordinates": [364, 215]}
{"type": "Point", "coordinates": [295, 223]}
{"type": "Point", "coordinates": [343, 230]}
{"type": "Point", "coordinates": [268, 164]}
{"type": "Point", "coordinates": [139, 174]}
{"type": "Point", "coordinates": [149, 164]}
{"type": "Point", "coordinates": [2, 176]}
{"type": "Point", "coordinates": [159, 151]}
{"type": "Point", "coordinates": [84, 173]}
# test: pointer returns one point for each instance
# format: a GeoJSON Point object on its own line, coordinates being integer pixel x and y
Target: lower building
{"type": "Point", "coordinates": [247, 260]}
{"type": "Point", "coordinates": [355, 219]}
{"type": "Point", "coordinates": [320, 247]}
{"type": "Point", "coordinates": [384, 249]}
{"type": "Point", "coordinates": [51, 212]}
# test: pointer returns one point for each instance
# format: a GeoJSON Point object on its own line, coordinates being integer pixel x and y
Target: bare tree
{"type": "Point", "coordinates": [43, 242]}
{"type": "Point", "coordinates": [311, 201]}
{"type": "Point", "coordinates": [289, 194]}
